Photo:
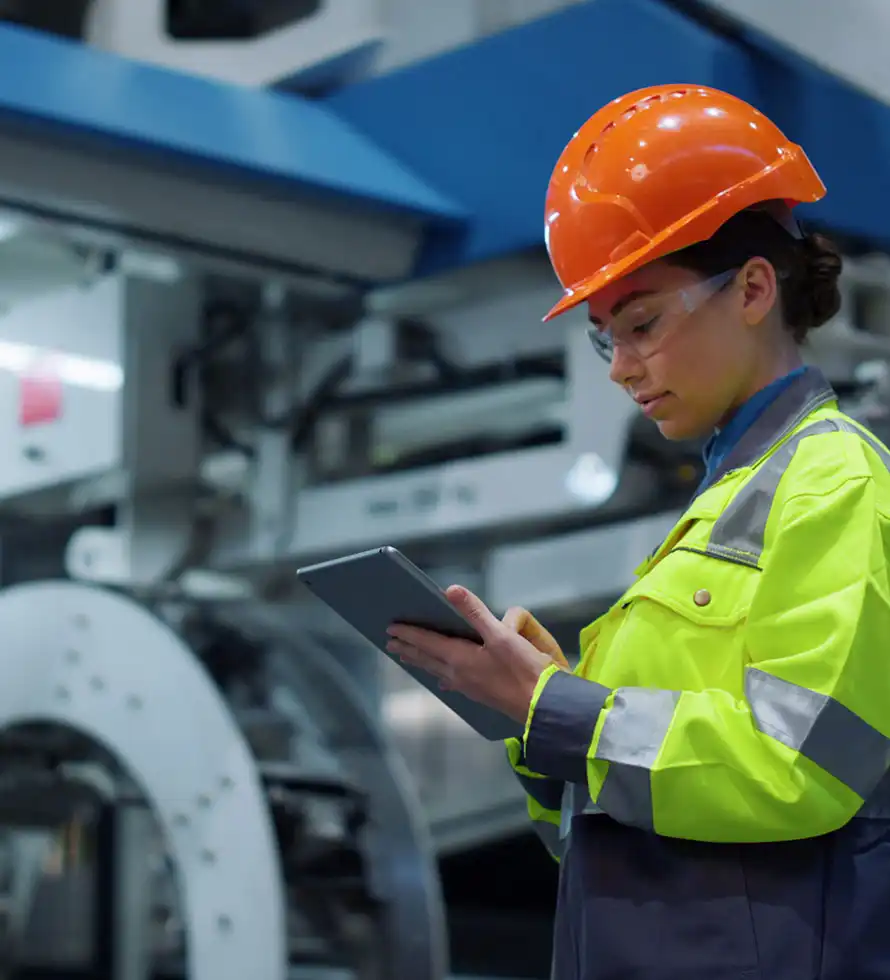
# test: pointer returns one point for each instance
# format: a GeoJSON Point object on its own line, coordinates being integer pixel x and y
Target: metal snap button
{"type": "Point", "coordinates": [702, 597]}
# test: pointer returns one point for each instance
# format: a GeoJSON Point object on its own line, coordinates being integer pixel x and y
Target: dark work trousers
{"type": "Point", "coordinates": [635, 906]}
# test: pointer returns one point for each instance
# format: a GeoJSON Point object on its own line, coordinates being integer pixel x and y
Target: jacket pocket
{"type": "Point", "coordinates": [706, 590]}
{"type": "Point", "coordinates": [680, 624]}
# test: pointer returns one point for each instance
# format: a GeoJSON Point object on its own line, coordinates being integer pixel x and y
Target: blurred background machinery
{"type": "Point", "coordinates": [271, 279]}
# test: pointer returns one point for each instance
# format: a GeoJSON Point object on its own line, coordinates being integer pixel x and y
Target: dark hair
{"type": "Point", "coordinates": [807, 268]}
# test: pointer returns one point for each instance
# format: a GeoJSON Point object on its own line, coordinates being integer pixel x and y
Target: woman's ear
{"type": "Point", "coordinates": [760, 290]}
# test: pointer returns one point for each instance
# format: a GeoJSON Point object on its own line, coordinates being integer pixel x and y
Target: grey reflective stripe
{"type": "Point", "coordinates": [738, 534]}
{"type": "Point", "coordinates": [815, 725]}
{"type": "Point", "coordinates": [545, 792]}
{"type": "Point", "coordinates": [550, 837]}
{"type": "Point", "coordinates": [868, 437]}
{"type": "Point", "coordinates": [630, 741]}
{"type": "Point", "coordinates": [820, 728]}
{"type": "Point", "coordinates": [739, 531]}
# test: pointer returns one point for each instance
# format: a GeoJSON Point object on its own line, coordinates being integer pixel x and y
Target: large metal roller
{"type": "Point", "coordinates": [271, 827]}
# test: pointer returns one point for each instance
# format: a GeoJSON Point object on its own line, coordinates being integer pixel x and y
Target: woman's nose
{"type": "Point", "coordinates": [626, 367]}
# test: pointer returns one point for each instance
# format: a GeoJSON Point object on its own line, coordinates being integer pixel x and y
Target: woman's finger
{"type": "Point", "coordinates": [521, 621]}
{"type": "Point", "coordinates": [542, 639]}
{"type": "Point", "coordinates": [418, 658]}
{"type": "Point", "coordinates": [433, 644]}
{"type": "Point", "coordinates": [405, 650]}
{"type": "Point", "coordinates": [514, 618]}
{"type": "Point", "coordinates": [474, 609]}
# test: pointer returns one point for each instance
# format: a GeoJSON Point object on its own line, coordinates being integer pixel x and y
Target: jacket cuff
{"type": "Point", "coordinates": [562, 719]}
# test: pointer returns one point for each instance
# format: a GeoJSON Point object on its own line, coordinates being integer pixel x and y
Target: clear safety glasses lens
{"type": "Point", "coordinates": [644, 324]}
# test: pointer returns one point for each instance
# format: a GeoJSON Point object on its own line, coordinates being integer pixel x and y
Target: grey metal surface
{"type": "Point", "coordinates": [27, 854]}
{"type": "Point", "coordinates": [463, 496]}
{"type": "Point", "coordinates": [133, 950]}
{"type": "Point", "coordinates": [272, 489]}
{"type": "Point", "coordinates": [150, 442]}
{"type": "Point", "coordinates": [103, 666]}
{"type": "Point", "coordinates": [159, 321]}
{"type": "Point", "coordinates": [200, 213]}
{"type": "Point", "coordinates": [73, 338]}
{"type": "Point", "coordinates": [59, 929]}
{"type": "Point", "coordinates": [104, 352]}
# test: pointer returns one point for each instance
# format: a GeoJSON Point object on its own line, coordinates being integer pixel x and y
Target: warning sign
{"type": "Point", "coordinates": [40, 394]}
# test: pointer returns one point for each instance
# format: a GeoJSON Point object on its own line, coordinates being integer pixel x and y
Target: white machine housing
{"type": "Point", "coordinates": [332, 43]}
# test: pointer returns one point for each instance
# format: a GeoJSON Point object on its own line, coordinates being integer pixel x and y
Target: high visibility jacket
{"type": "Point", "coordinates": [699, 773]}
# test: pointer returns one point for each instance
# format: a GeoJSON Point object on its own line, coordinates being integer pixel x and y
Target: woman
{"type": "Point", "coordinates": [712, 775]}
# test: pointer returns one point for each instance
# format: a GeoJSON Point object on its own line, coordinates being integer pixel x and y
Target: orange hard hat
{"type": "Point", "coordinates": [658, 170]}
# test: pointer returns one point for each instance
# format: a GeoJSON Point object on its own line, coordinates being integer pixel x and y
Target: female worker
{"type": "Point", "coordinates": [711, 776]}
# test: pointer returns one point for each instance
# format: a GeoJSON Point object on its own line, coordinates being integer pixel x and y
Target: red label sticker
{"type": "Point", "coordinates": [40, 395]}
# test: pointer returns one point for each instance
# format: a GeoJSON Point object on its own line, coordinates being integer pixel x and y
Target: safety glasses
{"type": "Point", "coordinates": [646, 322]}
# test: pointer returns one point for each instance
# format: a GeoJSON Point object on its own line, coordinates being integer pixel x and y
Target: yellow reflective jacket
{"type": "Point", "coordinates": [739, 690]}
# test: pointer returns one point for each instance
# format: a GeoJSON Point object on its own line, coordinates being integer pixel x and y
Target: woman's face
{"type": "Point", "coordinates": [689, 351]}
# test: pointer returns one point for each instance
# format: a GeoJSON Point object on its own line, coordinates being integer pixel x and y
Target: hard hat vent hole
{"type": "Point", "coordinates": [589, 155]}
{"type": "Point", "coordinates": [645, 104]}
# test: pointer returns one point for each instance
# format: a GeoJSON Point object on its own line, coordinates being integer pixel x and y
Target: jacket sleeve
{"type": "Point", "coordinates": [543, 797]}
{"type": "Point", "coordinates": [806, 743]}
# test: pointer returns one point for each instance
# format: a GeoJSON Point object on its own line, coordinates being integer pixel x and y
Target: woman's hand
{"type": "Point", "coordinates": [501, 673]}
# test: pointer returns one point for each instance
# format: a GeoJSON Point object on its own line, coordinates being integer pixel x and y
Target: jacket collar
{"type": "Point", "coordinates": [805, 393]}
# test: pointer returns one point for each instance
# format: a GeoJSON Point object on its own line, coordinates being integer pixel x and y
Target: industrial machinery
{"type": "Point", "coordinates": [233, 804]}
{"type": "Point", "coordinates": [269, 794]}
{"type": "Point", "coordinates": [217, 365]}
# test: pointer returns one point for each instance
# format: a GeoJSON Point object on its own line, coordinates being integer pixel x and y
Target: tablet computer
{"type": "Point", "coordinates": [374, 589]}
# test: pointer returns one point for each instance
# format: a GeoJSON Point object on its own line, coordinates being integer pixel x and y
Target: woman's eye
{"type": "Point", "coordinates": [644, 328]}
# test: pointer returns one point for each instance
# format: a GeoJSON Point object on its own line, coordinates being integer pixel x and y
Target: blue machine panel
{"type": "Point", "coordinates": [465, 140]}
{"type": "Point", "coordinates": [487, 123]}
{"type": "Point", "coordinates": [254, 133]}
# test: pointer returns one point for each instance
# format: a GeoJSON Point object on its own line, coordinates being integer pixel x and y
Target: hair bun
{"type": "Point", "coordinates": [819, 296]}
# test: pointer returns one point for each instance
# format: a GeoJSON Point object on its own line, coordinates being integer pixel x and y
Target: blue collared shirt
{"type": "Point", "coordinates": [721, 444]}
